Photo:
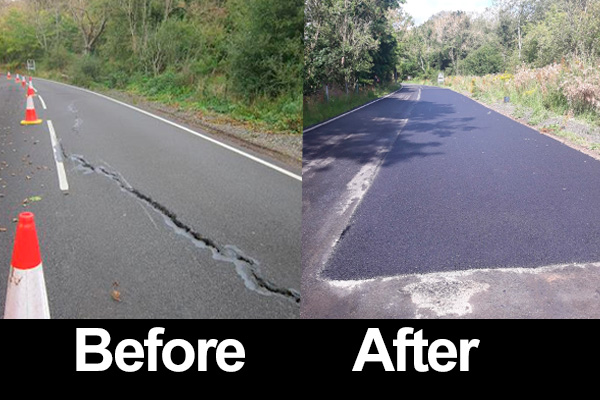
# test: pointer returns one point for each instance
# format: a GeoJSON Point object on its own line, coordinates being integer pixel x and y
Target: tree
{"type": "Point", "coordinates": [18, 40]}
{"type": "Point", "coordinates": [487, 59]}
{"type": "Point", "coordinates": [91, 17]}
{"type": "Point", "coordinates": [385, 56]}
{"type": "Point", "coordinates": [349, 41]}
{"type": "Point", "coordinates": [517, 14]}
{"type": "Point", "coordinates": [266, 46]}
{"type": "Point", "coordinates": [316, 14]}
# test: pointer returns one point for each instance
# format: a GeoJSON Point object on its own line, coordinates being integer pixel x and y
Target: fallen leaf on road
{"type": "Point", "coordinates": [116, 295]}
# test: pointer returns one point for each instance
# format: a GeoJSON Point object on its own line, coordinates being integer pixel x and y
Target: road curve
{"type": "Point", "coordinates": [181, 226]}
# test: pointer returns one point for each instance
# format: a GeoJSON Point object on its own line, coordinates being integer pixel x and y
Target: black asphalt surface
{"type": "Point", "coordinates": [462, 187]}
{"type": "Point", "coordinates": [181, 227]}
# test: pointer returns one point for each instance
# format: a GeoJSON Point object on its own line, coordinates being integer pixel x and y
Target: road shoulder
{"type": "Point", "coordinates": [569, 131]}
{"type": "Point", "coordinates": [285, 148]}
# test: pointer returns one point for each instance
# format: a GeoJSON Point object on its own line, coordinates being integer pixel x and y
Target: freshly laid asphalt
{"type": "Point", "coordinates": [178, 226]}
{"type": "Point", "coordinates": [460, 187]}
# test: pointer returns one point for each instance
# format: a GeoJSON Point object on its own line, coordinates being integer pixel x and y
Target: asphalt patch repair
{"type": "Point", "coordinates": [481, 192]}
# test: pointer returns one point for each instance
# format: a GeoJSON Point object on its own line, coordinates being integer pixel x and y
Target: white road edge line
{"type": "Point", "coordinates": [42, 101]}
{"type": "Point", "coordinates": [214, 141]}
{"type": "Point", "coordinates": [60, 167]}
{"type": "Point", "coordinates": [350, 112]}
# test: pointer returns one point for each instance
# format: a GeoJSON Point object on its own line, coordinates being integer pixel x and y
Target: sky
{"type": "Point", "coordinates": [421, 10]}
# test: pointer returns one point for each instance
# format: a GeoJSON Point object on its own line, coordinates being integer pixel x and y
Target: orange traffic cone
{"type": "Point", "coordinates": [26, 295]}
{"type": "Point", "coordinates": [24, 83]}
{"type": "Point", "coordinates": [8, 75]}
{"type": "Point", "coordinates": [30, 91]}
{"type": "Point", "coordinates": [17, 79]}
{"type": "Point", "coordinates": [30, 115]}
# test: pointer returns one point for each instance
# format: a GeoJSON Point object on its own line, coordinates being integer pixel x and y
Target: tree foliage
{"type": "Point", "coordinates": [505, 36]}
{"type": "Point", "coordinates": [265, 52]}
{"type": "Point", "coordinates": [219, 52]}
{"type": "Point", "coordinates": [348, 42]}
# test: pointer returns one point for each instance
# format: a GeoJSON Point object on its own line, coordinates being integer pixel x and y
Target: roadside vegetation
{"type": "Point", "coordinates": [350, 55]}
{"type": "Point", "coordinates": [542, 55]}
{"type": "Point", "coordinates": [568, 89]}
{"type": "Point", "coordinates": [238, 59]}
{"type": "Point", "coordinates": [317, 108]}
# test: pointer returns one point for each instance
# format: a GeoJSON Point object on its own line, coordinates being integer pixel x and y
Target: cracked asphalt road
{"type": "Point", "coordinates": [185, 228]}
{"type": "Point", "coordinates": [428, 204]}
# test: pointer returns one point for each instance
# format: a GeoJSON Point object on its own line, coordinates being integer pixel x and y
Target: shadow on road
{"type": "Point", "coordinates": [364, 134]}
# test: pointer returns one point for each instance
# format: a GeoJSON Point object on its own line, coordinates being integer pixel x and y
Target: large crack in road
{"type": "Point", "coordinates": [247, 268]}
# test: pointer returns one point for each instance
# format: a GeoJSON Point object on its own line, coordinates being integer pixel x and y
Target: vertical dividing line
{"type": "Point", "coordinates": [60, 167]}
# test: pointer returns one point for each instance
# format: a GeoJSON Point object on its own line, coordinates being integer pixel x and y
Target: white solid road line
{"type": "Point", "coordinates": [350, 112]}
{"type": "Point", "coordinates": [231, 148]}
{"type": "Point", "coordinates": [60, 167]}
{"type": "Point", "coordinates": [42, 101]}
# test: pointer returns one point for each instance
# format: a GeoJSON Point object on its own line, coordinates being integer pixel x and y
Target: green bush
{"type": "Point", "coordinates": [118, 79]}
{"type": "Point", "coordinates": [163, 83]}
{"type": "Point", "coordinates": [485, 60]}
{"type": "Point", "coordinates": [556, 101]}
{"type": "Point", "coordinates": [58, 59]}
{"type": "Point", "coordinates": [266, 50]}
{"type": "Point", "coordinates": [87, 70]}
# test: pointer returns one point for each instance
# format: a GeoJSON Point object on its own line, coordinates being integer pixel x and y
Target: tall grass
{"type": "Point", "coordinates": [569, 88]}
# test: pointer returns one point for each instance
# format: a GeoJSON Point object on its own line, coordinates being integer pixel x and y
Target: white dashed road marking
{"type": "Point", "coordinates": [60, 167]}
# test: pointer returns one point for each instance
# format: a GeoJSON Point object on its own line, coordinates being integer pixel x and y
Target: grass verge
{"type": "Point", "coordinates": [317, 109]}
{"type": "Point", "coordinates": [536, 104]}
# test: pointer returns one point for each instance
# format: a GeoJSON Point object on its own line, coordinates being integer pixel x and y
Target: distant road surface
{"type": "Point", "coordinates": [181, 225]}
